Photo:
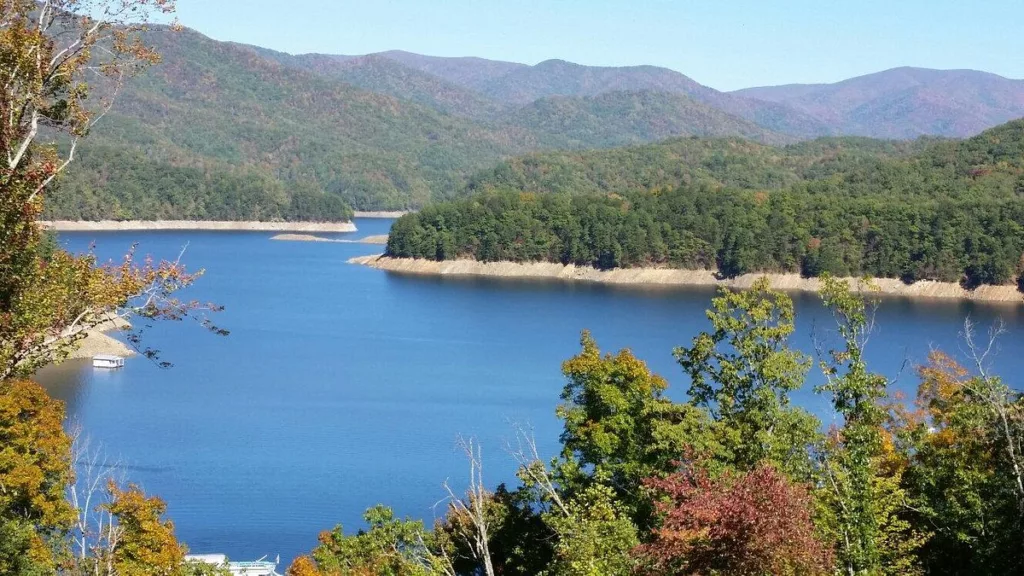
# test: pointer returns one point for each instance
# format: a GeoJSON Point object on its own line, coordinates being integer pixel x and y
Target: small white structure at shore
{"type": "Point", "coordinates": [107, 361]}
{"type": "Point", "coordinates": [259, 567]}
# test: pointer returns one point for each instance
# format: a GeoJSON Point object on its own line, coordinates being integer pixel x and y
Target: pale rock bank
{"type": "Point", "coordinates": [380, 213]}
{"type": "Point", "coordinates": [377, 239]}
{"type": "Point", "coordinates": [96, 341]}
{"type": "Point", "coordinates": [115, 225]}
{"type": "Point", "coordinates": [676, 277]}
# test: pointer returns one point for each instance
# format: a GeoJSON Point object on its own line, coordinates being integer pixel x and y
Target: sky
{"type": "Point", "coordinates": [725, 44]}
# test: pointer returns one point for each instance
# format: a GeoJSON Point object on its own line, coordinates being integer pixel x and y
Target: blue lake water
{"type": "Point", "coordinates": [342, 386]}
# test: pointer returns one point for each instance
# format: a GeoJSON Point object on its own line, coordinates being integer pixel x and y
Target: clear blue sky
{"type": "Point", "coordinates": [726, 44]}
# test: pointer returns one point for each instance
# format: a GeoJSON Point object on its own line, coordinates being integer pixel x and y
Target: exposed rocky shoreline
{"type": "Point", "coordinates": [376, 239]}
{"type": "Point", "coordinates": [380, 213]}
{"type": "Point", "coordinates": [676, 277]}
{"type": "Point", "coordinates": [97, 341]}
{"type": "Point", "coordinates": [114, 225]}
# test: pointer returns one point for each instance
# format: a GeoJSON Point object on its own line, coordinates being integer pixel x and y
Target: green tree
{"type": "Point", "coordinates": [389, 547]}
{"type": "Point", "coordinates": [594, 536]}
{"type": "Point", "coordinates": [960, 474]}
{"type": "Point", "coordinates": [743, 372]}
{"type": "Point", "coordinates": [620, 428]}
{"type": "Point", "coordinates": [860, 498]}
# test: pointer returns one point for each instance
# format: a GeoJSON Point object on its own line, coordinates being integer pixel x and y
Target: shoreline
{"type": "Point", "coordinates": [376, 239]}
{"type": "Point", "coordinates": [98, 341]}
{"type": "Point", "coordinates": [380, 213]}
{"type": "Point", "coordinates": [252, 226]}
{"type": "Point", "coordinates": [669, 277]}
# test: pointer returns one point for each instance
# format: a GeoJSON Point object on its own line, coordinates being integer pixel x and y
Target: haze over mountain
{"type": "Point", "coordinates": [905, 102]}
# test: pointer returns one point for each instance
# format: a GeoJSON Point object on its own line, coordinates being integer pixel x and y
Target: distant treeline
{"type": "Point", "coordinates": [125, 185]}
{"type": "Point", "coordinates": [954, 212]}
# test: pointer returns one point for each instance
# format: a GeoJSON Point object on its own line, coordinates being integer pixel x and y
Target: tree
{"type": "Point", "coordinates": [35, 467]}
{"type": "Point", "coordinates": [66, 60]}
{"type": "Point", "coordinates": [594, 536]}
{"type": "Point", "coordinates": [389, 547]}
{"type": "Point", "coordinates": [144, 544]}
{"type": "Point", "coordinates": [617, 421]}
{"type": "Point", "coordinates": [862, 501]}
{"type": "Point", "coordinates": [961, 476]}
{"type": "Point", "coordinates": [469, 517]}
{"type": "Point", "coordinates": [743, 372]}
{"type": "Point", "coordinates": [754, 522]}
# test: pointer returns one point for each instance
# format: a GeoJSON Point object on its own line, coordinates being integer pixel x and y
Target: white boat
{"type": "Point", "coordinates": [107, 361]}
{"type": "Point", "coordinates": [261, 567]}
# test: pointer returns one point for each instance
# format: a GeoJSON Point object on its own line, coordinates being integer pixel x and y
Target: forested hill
{"type": "Point", "coordinates": [952, 211]}
{"type": "Point", "coordinates": [730, 162]}
{"type": "Point", "coordinates": [370, 131]}
{"type": "Point", "coordinates": [222, 130]}
{"type": "Point", "coordinates": [217, 108]}
{"type": "Point", "coordinates": [904, 102]}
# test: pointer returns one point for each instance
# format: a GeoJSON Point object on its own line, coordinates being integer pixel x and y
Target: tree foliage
{"type": "Point", "coordinates": [951, 212]}
{"type": "Point", "coordinates": [754, 522]}
{"type": "Point", "coordinates": [35, 468]}
{"type": "Point", "coordinates": [743, 372]}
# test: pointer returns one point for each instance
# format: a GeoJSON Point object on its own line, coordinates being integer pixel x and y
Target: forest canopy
{"type": "Point", "coordinates": [953, 211]}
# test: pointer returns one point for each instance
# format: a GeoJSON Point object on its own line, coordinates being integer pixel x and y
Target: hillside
{"type": "Point", "coordinates": [620, 118]}
{"type": "Point", "coordinates": [397, 130]}
{"type": "Point", "coordinates": [938, 210]}
{"type": "Point", "coordinates": [719, 162]}
{"type": "Point", "coordinates": [376, 133]}
{"type": "Point", "coordinates": [518, 84]}
{"type": "Point", "coordinates": [381, 74]}
{"type": "Point", "coordinates": [905, 102]}
{"type": "Point", "coordinates": [212, 103]}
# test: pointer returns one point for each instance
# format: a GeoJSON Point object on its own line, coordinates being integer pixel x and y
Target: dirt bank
{"type": "Point", "coordinates": [674, 277]}
{"type": "Point", "coordinates": [113, 225]}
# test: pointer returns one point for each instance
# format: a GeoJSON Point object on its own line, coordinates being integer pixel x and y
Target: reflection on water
{"type": "Point", "coordinates": [67, 382]}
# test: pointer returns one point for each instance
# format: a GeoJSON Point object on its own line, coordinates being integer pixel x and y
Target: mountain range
{"type": "Point", "coordinates": [396, 130]}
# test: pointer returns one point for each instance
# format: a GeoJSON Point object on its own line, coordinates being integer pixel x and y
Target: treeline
{"type": "Point", "coordinates": [725, 162]}
{"type": "Point", "coordinates": [953, 212]}
{"type": "Point", "coordinates": [118, 184]}
{"type": "Point", "coordinates": [736, 480]}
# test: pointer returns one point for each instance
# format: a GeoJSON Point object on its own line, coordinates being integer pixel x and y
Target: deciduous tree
{"type": "Point", "coordinates": [755, 522]}
{"type": "Point", "coordinates": [743, 372]}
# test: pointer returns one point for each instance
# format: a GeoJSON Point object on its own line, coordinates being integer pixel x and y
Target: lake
{"type": "Point", "coordinates": [342, 386]}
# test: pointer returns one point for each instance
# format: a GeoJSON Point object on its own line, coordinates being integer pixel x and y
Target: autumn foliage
{"type": "Point", "coordinates": [756, 522]}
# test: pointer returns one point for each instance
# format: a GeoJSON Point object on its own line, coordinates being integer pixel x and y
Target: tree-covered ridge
{"type": "Point", "coordinates": [622, 118]}
{"type": "Point", "coordinates": [210, 102]}
{"type": "Point", "coordinates": [165, 190]}
{"type": "Point", "coordinates": [904, 102]}
{"type": "Point", "coordinates": [377, 133]}
{"type": "Point", "coordinates": [381, 74]}
{"type": "Point", "coordinates": [953, 212]}
{"type": "Point", "coordinates": [729, 162]}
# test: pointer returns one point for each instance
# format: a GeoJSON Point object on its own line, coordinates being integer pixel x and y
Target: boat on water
{"type": "Point", "coordinates": [261, 567]}
{"type": "Point", "coordinates": [107, 361]}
